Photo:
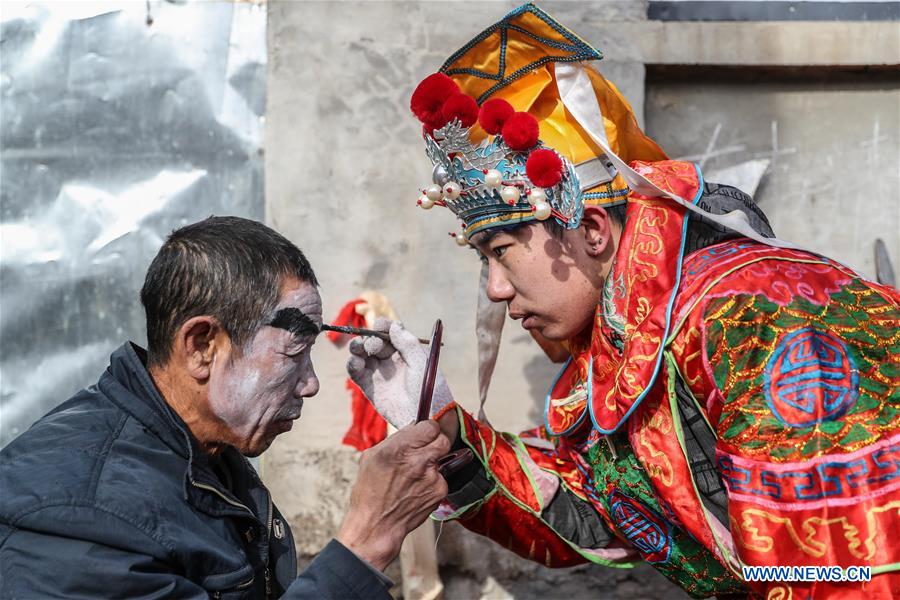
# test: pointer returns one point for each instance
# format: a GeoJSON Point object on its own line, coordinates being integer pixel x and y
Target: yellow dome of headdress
{"type": "Point", "coordinates": [529, 60]}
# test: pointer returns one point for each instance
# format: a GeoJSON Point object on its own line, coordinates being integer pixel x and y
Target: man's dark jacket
{"type": "Point", "coordinates": [107, 496]}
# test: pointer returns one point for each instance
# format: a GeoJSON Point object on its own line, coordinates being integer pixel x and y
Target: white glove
{"type": "Point", "coordinates": [390, 374]}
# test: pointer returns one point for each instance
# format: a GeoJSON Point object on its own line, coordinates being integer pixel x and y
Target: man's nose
{"type": "Point", "coordinates": [499, 289]}
{"type": "Point", "coordinates": [308, 387]}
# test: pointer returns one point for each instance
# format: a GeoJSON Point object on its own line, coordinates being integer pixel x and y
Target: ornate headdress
{"type": "Point", "coordinates": [506, 146]}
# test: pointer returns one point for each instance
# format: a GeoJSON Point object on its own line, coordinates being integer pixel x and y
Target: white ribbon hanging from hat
{"type": "Point", "coordinates": [580, 100]}
{"type": "Point", "coordinates": [489, 320]}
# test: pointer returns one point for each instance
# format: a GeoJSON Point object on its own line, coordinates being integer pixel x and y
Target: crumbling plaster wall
{"type": "Point", "coordinates": [831, 181]}
{"type": "Point", "coordinates": [343, 165]}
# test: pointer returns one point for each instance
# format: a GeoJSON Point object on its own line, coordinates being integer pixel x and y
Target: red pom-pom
{"type": "Point", "coordinates": [544, 168]}
{"type": "Point", "coordinates": [494, 113]}
{"type": "Point", "coordinates": [429, 97]}
{"type": "Point", "coordinates": [520, 132]}
{"type": "Point", "coordinates": [462, 107]}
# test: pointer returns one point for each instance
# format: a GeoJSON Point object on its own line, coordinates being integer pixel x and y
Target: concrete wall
{"type": "Point", "coordinates": [343, 166]}
{"type": "Point", "coordinates": [832, 180]}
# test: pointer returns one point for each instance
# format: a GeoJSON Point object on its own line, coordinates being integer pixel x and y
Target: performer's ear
{"type": "Point", "coordinates": [597, 227]}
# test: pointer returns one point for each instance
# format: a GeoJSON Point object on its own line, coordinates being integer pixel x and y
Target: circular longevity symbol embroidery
{"type": "Point", "coordinates": [810, 378]}
{"type": "Point", "coordinates": [642, 526]}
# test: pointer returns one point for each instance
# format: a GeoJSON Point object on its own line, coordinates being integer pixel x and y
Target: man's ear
{"type": "Point", "coordinates": [197, 342]}
{"type": "Point", "coordinates": [597, 227]}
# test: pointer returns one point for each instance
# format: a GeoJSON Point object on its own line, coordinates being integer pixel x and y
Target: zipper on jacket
{"type": "Point", "coordinates": [238, 587]}
{"type": "Point", "coordinates": [269, 542]}
{"type": "Point", "coordinates": [210, 488]}
{"type": "Point", "coordinates": [246, 584]}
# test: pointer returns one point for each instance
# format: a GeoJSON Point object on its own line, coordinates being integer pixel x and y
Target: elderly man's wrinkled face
{"type": "Point", "coordinates": [258, 393]}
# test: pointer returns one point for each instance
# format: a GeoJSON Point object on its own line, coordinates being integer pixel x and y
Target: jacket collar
{"type": "Point", "coordinates": [128, 384]}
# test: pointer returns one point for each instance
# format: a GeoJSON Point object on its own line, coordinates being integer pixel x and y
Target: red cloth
{"type": "Point", "coordinates": [368, 427]}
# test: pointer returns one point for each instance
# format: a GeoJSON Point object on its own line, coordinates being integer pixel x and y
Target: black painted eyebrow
{"type": "Point", "coordinates": [295, 321]}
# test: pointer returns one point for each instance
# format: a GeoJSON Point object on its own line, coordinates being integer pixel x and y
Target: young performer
{"type": "Point", "coordinates": [729, 400]}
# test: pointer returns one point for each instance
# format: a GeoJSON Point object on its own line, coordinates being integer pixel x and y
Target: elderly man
{"type": "Point", "coordinates": [730, 405]}
{"type": "Point", "coordinates": [138, 486]}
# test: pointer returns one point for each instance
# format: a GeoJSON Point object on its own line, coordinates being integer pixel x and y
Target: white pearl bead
{"type": "Point", "coordinates": [541, 211]}
{"type": "Point", "coordinates": [510, 194]}
{"type": "Point", "coordinates": [537, 196]}
{"type": "Point", "coordinates": [425, 202]}
{"type": "Point", "coordinates": [434, 193]}
{"type": "Point", "coordinates": [461, 239]}
{"type": "Point", "coordinates": [439, 175]}
{"type": "Point", "coordinates": [452, 190]}
{"type": "Point", "coordinates": [493, 178]}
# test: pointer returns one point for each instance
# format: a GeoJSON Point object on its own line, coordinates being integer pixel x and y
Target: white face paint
{"type": "Point", "coordinates": [258, 394]}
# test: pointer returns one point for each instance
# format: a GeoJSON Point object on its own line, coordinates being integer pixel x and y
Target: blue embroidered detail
{"type": "Point", "coordinates": [590, 486]}
{"type": "Point", "coordinates": [707, 257]}
{"type": "Point", "coordinates": [602, 195]}
{"type": "Point", "coordinates": [810, 378]}
{"type": "Point", "coordinates": [833, 478]}
{"type": "Point", "coordinates": [645, 529]}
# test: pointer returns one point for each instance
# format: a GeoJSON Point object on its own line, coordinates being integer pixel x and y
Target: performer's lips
{"type": "Point", "coordinates": [529, 320]}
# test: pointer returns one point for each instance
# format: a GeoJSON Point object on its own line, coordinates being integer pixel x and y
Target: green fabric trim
{"type": "Point", "coordinates": [484, 454]}
{"type": "Point", "coordinates": [670, 359]}
{"type": "Point", "coordinates": [571, 490]}
{"type": "Point", "coordinates": [517, 443]}
{"type": "Point", "coordinates": [689, 564]}
{"type": "Point", "coordinates": [464, 509]}
{"type": "Point", "coordinates": [484, 460]}
{"type": "Point", "coordinates": [591, 557]}
{"type": "Point", "coordinates": [885, 568]}
{"type": "Point", "coordinates": [679, 434]}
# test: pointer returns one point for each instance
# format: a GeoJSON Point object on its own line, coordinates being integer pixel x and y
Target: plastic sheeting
{"type": "Point", "coordinates": [120, 122]}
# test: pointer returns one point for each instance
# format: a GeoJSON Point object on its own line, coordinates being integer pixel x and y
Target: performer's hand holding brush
{"type": "Point", "coordinates": [394, 372]}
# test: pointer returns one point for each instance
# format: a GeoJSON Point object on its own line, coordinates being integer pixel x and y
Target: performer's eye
{"type": "Point", "coordinates": [499, 251]}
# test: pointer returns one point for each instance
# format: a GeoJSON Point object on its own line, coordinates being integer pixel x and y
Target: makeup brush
{"type": "Point", "coordinates": [357, 331]}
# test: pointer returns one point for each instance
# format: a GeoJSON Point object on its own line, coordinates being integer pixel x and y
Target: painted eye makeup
{"type": "Point", "coordinates": [303, 329]}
